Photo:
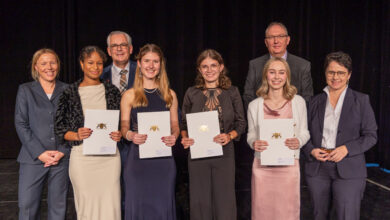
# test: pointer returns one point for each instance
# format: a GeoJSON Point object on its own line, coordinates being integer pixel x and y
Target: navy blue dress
{"type": "Point", "coordinates": [150, 183]}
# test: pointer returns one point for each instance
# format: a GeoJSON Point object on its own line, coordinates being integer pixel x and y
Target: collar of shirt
{"type": "Point", "coordinates": [340, 102]}
{"type": "Point", "coordinates": [116, 77]}
{"type": "Point", "coordinates": [284, 55]}
{"type": "Point", "coordinates": [116, 70]}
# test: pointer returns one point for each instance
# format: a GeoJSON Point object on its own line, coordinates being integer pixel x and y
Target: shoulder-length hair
{"type": "Point", "coordinates": [161, 79]}
{"type": "Point", "coordinates": [37, 55]}
{"type": "Point", "coordinates": [288, 90]}
{"type": "Point", "coordinates": [224, 81]}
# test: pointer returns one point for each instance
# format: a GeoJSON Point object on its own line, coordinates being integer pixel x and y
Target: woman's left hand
{"type": "Point", "coordinates": [222, 139]}
{"type": "Point", "coordinates": [116, 136]}
{"type": "Point", "coordinates": [338, 153]}
{"type": "Point", "coordinates": [292, 143]}
{"type": "Point", "coordinates": [169, 140]}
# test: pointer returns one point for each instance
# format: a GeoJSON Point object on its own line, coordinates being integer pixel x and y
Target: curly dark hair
{"type": "Point", "coordinates": [88, 50]}
{"type": "Point", "coordinates": [224, 81]}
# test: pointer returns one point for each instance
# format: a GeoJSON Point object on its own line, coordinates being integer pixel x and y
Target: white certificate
{"type": "Point", "coordinates": [102, 123]}
{"type": "Point", "coordinates": [275, 132]}
{"type": "Point", "coordinates": [156, 125]}
{"type": "Point", "coordinates": [203, 127]}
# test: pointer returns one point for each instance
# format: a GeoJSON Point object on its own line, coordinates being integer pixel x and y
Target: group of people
{"type": "Point", "coordinates": [334, 131]}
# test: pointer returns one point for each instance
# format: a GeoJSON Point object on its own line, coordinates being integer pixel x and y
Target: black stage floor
{"type": "Point", "coordinates": [375, 205]}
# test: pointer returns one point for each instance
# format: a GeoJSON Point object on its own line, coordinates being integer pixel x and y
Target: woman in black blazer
{"type": "Point", "coordinates": [212, 194]}
{"type": "Point", "coordinates": [342, 127]}
{"type": "Point", "coordinates": [41, 156]}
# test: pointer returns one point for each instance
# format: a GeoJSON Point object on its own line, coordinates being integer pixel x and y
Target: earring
{"type": "Point", "coordinates": [140, 74]}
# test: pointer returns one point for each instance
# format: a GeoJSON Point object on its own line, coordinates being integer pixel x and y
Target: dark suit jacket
{"type": "Point", "coordinates": [300, 76]}
{"type": "Point", "coordinates": [107, 75]}
{"type": "Point", "coordinates": [356, 130]}
{"type": "Point", "coordinates": [34, 121]}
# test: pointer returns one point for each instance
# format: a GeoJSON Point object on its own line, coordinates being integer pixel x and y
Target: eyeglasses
{"type": "Point", "coordinates": [338, 73]}
{"type": "Point", "coordinates": [117, 46]}
{"type": "Point", "coordinates": [279, 37]}
{"type": "Point", "coordinates": [212, 67]}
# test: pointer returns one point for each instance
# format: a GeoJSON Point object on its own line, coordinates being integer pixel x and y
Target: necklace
{"type": "Point", "coordinates": [151, 91]}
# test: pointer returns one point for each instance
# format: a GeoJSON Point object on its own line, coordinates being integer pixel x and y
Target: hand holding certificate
{"type": "Point", "coordinates": [157, 126]}
{"type": "Point", "coordinates": [104, 124]}
{"type": "Point", "coordinates": [203, 127]}
{"type": "Point", "coordinates": [275, 132]}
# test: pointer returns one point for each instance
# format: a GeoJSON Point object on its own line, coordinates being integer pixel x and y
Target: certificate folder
{"type": "Point", "coordinates": [203, 127]}
{"type": "Point", "coordinates": [275, 132]}
{"type": "Point", "coordinates": [102, 122]}
{"type": "Point", "coordinates": [156, 125]}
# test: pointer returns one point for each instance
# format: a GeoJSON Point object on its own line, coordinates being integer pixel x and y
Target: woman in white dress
{"type": "Point", "coordinates": [95, 178]}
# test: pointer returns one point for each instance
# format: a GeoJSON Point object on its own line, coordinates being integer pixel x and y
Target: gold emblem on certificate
{"type": "Point", "coordinates": [203, 128]}
{"type": "Point", "coordinates": [276, 135]}
{"type": "Point", "coordinates": [101, 126]}
{"type": "Point", "coordinates": [154, 128]}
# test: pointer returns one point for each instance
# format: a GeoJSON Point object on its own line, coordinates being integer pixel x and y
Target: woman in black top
{"type": "Point", "coordinates": [212, 194]}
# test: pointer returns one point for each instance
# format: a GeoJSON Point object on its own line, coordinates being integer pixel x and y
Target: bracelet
{"type": "Point", "coordinates": [230, 136]}
{"type": "Point", "coordinates": [129, 139]}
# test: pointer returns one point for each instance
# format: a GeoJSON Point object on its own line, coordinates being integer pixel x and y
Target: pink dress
{"type": "Point", "coordinates": [275, 189]}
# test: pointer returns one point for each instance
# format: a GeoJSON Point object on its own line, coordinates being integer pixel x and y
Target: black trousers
{"type": "Point", "coordinates": [212, 187]}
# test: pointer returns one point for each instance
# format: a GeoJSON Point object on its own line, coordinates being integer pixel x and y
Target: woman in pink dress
{"type": "Point", "coordinates": [275, 189]}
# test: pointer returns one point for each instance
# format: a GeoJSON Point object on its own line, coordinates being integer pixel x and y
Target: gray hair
{"type": "Point", "coordinates": [273, 24]}
{"type": "Point", "coordinates": [128, 38]}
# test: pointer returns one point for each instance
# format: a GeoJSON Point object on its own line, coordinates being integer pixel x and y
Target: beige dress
{"type": "Point", "coordinates": [95, 179]}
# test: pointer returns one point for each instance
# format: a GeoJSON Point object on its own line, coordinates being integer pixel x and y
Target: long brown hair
{"type": "Point", "coordinates": [223, 80]}
{"type": "Point", "coordinates": [288, 90]}
{"type": "Point", "coordinates": [161, 79]}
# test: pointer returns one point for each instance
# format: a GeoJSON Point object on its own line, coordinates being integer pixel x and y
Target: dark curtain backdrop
{"type": "Point", "coordinates": [184, 28]}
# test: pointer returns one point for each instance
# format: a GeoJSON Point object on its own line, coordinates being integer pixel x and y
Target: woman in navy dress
{"type": "Point", "coordinates": [150, 183]}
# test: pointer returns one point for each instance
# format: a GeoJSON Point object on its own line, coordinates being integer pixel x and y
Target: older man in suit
{"type": "Point", "coordinates": [122, 70]}
{"type": "Point", "coordinates": [277, 40]}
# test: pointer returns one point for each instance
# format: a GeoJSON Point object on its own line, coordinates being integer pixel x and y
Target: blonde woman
{"type": "Point", "coordinates": [150, 183]}
{"type": "Point", "coordinates": [41, 155]}
{"type": "Point", "coordinates": [275, 189]}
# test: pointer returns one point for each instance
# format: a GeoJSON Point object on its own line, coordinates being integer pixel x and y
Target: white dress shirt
{"type": "Point", "coordinates": [284, 56]}
{"type": "Point", "coordinates": [331, 120]}
{"type": "Point", "coordinates": [116, 77]}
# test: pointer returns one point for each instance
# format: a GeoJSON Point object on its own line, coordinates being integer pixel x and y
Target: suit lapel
{"type": "Point", "coordinates": [57, 90]}
{"type": "Point", "coordinates": [132, 69]}
{"type": "Point", "coordinates": [37, 88]}
{"type": "Point", "coordinates": [346, 109]}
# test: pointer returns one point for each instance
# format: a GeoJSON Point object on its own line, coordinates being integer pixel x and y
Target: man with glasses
{"type": "Point", "coordinates": [120, 73]}
{"type": "Point", "coordinates": [122, 70]}
{"type": "Point", "coordinates": [277, 40]}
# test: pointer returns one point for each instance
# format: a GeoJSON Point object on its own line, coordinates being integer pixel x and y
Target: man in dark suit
{"type": "Point", "coordinates": [122, 70]}
{"type": "Point", "coordinates": [120, 73]}
{"type": "Point", "coordinates": [277, 40]}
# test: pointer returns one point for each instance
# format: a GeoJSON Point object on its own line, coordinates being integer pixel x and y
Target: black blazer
{"type": "Point", "coordinates": [357, 130]}
{"type": "Point", "coordinates": [70, 117]}
{"type": "Point", "coordinates": [34, 121]}
{"type": "Point", "coordinates": [107, 74]}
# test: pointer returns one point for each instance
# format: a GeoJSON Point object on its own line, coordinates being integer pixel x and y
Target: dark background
{"type": "Point", "coordinates": [184, 28]}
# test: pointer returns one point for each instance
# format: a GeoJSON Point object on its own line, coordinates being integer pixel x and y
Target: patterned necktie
{"type": "Point", "coordinates": [123, 81]}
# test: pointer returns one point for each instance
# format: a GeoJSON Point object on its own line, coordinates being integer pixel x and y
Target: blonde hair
{"type": "Point", "coordinates": [36, 56]}
{"type": "Point", "coordinates": [224, 81]}
{"type": "Point", "coordinates": [288, 90]}
{"type": "Point", "coordinates": [161, 79]}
